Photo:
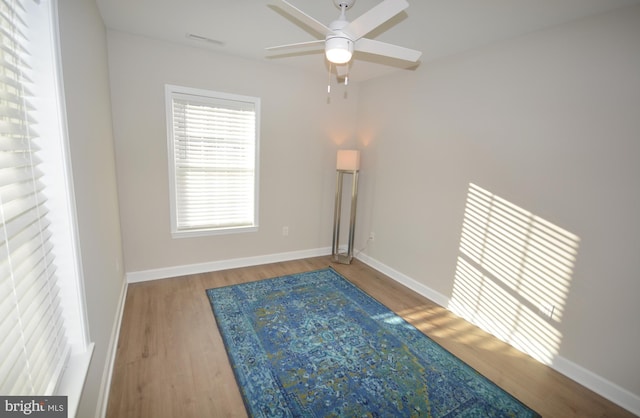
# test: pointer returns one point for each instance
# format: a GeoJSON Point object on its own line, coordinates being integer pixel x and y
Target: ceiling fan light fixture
{"type": "Point", "coordinates": [342, 37]}
{"type": "Point", "coordinates": [339, 50]}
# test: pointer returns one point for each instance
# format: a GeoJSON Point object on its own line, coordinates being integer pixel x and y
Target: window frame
{"type": "Point", "coordinates": [207, 97]}
{"type": "Point", "coordinates": [49, 115]}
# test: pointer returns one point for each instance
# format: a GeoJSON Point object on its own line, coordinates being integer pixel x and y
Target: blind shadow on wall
{"type": "Point", "coordinates": [513, 273]}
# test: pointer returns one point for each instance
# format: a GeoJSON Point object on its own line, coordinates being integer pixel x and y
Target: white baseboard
{"type": "Point", "coordinates": [598, 384]}
{"type": "Point", "coordinates": [164, 273]}
{"type": "Point", "coordinates": [105, 385]}
{"type": "Point", "coordinates": [407, 281]}
{"type": "Point", "coordinates": [586, 378]}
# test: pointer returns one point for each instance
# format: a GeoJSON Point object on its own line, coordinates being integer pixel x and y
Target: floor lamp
{"type": "Point", "coordinates": [348, 163]}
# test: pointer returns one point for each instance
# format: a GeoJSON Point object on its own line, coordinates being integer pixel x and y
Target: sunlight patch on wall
{"type": "Point", "coordinates": [513, 274]}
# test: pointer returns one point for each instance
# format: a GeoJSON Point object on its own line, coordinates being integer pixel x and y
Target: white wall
{"type": "Point", "coordinates": [550, 122]}
{"type": "Point", "coordinates": [299, 135]}
{"type": "Point", "coordinates": [84, 66]}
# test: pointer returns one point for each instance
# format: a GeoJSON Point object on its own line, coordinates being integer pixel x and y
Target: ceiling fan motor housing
{"type": "Point", "coordinates": [338, 45]}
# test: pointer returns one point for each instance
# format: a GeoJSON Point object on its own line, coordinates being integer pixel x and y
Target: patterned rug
{"type": "Point", "coordinates": [314, 345]}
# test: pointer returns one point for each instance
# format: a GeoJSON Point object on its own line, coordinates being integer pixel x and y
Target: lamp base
{"type": "Point", "coordinates": [342, 258]}
{"type": "Point", "coordinates": [337, 256]}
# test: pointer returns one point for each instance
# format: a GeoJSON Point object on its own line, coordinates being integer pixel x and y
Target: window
{"type": "Point", "coordinates": [42, 316]}
{"type": "Point", "coordinates": [213, 154]}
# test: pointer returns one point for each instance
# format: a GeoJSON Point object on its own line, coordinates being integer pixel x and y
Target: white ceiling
{"type": "Point", "coordinates": [436, 27]}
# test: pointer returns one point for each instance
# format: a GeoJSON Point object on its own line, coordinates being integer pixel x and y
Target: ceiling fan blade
{"type": "Point", "coordinates": [299, 47]}
{"type": "Point", "coordinates": [387, 50]}
{"type": "Point", "coordinates": [304, 18]}
{"type": "Point", "coordinates": [374, 18]}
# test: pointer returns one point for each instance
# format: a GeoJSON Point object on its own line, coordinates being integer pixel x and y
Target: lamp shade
{"type": "Point", "coordinates": [348, 160]}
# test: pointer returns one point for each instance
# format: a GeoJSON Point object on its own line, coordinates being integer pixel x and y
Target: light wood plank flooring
{"type": "Point", "coordinates": [171, 361]}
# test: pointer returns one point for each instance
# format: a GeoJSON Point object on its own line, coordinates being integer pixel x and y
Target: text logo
{"type": "Point", "coordinates": [33, 406]}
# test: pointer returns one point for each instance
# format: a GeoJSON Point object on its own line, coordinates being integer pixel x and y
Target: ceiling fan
{"type": "Point", "coordinates": [342, 37]}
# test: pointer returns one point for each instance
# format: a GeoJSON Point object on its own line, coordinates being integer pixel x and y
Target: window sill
{"type": "Point", "coordinates": [73, 379]}
{"type": "Point", "coordinates": [213, 232]}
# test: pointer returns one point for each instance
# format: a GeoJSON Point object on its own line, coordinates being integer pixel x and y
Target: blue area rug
{"type": "Point", "coordinates": [314, 345]}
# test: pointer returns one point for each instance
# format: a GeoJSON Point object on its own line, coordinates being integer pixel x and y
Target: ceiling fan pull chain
{"type": "Point", "coordinates": [329, 82]}
{"type": "Point", "coordinates": [346, 86]}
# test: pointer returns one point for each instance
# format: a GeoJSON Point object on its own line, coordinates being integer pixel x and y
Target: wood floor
{"type": "Point", "coordinates": [171, 361]}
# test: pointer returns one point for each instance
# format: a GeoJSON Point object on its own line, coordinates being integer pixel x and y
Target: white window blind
{"type": "Point", "coordinates": [213, 143]}
{"type": "Point", "coordinates": [33, 347]}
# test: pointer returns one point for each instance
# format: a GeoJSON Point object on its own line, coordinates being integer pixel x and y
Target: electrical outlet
{"type": "Point", "coordinates": [285, 231]}
{"type": "Point", "coordinates": [546, 310]}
